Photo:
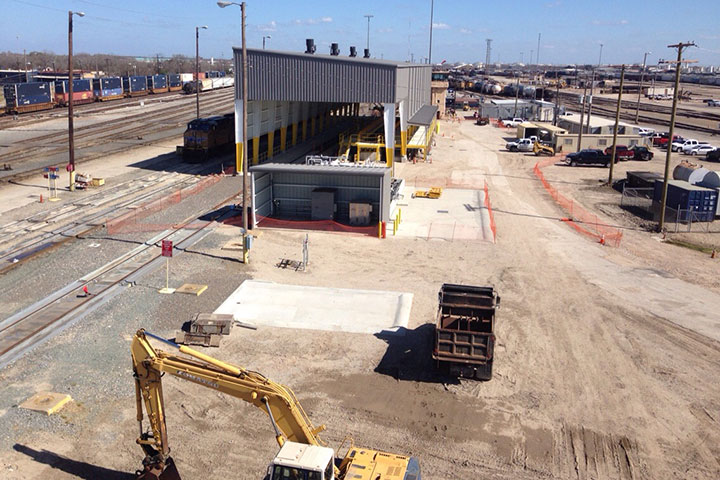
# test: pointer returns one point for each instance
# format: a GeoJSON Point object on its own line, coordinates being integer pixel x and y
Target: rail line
{"type": "Point", "coordinates": [41, 321]}
{"type": "Point", "coordinates": [34, 240]}
{"type": "Point", "coordinates": [93, 135]}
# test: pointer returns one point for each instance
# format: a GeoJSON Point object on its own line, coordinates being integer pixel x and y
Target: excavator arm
{"type": "Point", "coordinates": [279, 402]}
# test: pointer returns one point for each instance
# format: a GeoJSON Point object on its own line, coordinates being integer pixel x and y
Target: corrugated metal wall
{"type": "Point", "coordinates": [313, 78]}
{"type": "Point", "coordinates": [414, 82]}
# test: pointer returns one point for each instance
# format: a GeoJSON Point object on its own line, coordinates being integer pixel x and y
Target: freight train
{"type": "Point", "coordinates": [207, 136]}
{"type": "Point", "coordinates": [34, 96]}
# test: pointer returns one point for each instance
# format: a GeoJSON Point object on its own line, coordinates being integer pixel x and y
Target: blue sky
{"type": "Point", "coordinates": [572, 31]}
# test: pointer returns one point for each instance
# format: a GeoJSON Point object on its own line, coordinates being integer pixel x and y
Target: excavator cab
{"type": "Point", "coordinates": [297, 461]}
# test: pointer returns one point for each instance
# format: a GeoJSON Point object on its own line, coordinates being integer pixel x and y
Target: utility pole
{"type": "Point", "coordinates": [432, 8]}
{"type": "Point", "coordinates": [582, 115]}
{"type": "Point", "coordinates": [537, 52]}
{"type": "Point", "coordinates": [600, 58]}
{"type": "Point", "coordinates": [663, 202]}
{"type": "Point", "coordinates": [197, 70]}
{"type": "Point", "coordinates": [617, 125]}
{"type": "Point", "coordinates": [368, 31]}
{"type": "Point", "coordinates": [642, 76]}
{"type": "Point", "coordinates": [557, 98]}
{"type": "Point", "coordinates": [517, 92]}
{"type": "Point", "coordinates": [71, 132]}
{"type": "Point", "coordinates": [590, 100]}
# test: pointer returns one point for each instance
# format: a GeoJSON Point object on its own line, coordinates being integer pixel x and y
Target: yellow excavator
{"type": "Point", "coordinates": [302, 456]}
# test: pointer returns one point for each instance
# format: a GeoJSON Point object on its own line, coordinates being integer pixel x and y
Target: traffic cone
{"type": "Point", "coordinates": [602, 240]}
{"type": "Point", "coordinates": [85, 290]}
{"type": "Point", "coordinates": [41, 198]}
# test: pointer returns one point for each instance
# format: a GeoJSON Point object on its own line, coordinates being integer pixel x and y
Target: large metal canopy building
{"type": "Point", "coordinates": [293, 97]}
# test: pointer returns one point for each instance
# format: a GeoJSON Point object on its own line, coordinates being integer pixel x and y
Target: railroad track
{"type": "Point", "coordinates": [103, 133]}
{"type": "Point", "coordinates": [28, 237]}
{"type": "Point", "coordinates": [39, 322]}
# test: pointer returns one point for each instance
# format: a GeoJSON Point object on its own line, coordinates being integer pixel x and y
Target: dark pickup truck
{"type": "Point", "coordinates": [641, 153]}
{"type": "Point", "coordinates": [622, 152]}
{"type": "Point", "coordinates": [464, 331]}
{"type": "Point", "coordinates": [588, 156]}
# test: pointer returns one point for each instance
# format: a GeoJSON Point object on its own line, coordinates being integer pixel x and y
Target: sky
{"type": "Point", "coordinates": [572, 31]}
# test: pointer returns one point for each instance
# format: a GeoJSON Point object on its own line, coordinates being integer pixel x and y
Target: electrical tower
{"type": "Point", "coordinates": [487, 56]}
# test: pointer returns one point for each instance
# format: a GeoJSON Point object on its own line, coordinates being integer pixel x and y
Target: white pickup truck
{"type": "Point", "coordinates": [522, 144]}
{"type": "Point", "coordinates": [512, 122]}
{"type": "Point", "coordinates": [686, 146]}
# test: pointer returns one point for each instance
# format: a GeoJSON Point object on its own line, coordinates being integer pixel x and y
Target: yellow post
{"type": "Point", "coordinates": [379, 229]}
{"type": "Point", "coordinates": [239, 158]}
{"type": "Point", "coordinates": [312, 127]}
{"type": "Point", "coordinates": [271, 143]}
{"type": "Point", "coordinates": [256, 150]}
{"type": "Point", "coordinates": [304, 130]}
{"type": "Point", "coordinates": [403, 142]}
{"type": "Point", "coordinates": [283, 138]}
{"type": "Point", "coordinates": [389, 154]}
{"type": "Point", "coordinates": [294, 134]}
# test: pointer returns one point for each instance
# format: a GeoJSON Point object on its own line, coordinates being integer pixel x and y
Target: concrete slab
{"type": "Point", "coordinates": [46, 402]}
{"type": "Point", "coordinates": [459, 214]}
{"type": "Point", "coordinates": [318, 308]}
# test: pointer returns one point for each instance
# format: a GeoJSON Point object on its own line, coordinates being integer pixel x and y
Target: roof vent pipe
{"type": "Point", "coordinates": [310, 46]}
{"type": "Point", "coordinates": [334, 49]}
{"type": "Point", "coordinates": [367, 53]}
{"type": "Point", "coordinates": [353, 52]}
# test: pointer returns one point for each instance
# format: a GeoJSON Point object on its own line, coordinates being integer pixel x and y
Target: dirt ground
{"type": "Point", "coordinates": [587, 384]}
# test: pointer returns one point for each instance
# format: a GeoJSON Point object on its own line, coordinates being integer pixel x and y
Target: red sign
{"type": "Point", "coordinates": [167, 248]}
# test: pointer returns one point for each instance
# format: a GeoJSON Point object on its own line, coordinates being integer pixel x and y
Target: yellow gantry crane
{"type": "Point", "coordinates": [302, 456]}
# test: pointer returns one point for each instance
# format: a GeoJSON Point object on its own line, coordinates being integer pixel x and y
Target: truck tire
{"type": "Point", "coordinates": [573, 163]}
{"type": "Point", "coordinates": [484, 372]}
{"type": "Point", "coordinates": [513, 149]}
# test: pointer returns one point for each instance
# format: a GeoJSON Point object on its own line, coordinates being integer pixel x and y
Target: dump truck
{"type": "Point", "coordinates": [464, 330]}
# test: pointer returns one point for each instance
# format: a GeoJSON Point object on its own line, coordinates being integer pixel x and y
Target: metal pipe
{"type": "Point", "coordinates": [246, 157]}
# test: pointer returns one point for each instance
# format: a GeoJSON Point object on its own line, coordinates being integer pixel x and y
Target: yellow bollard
{"type": "Point", "coordinates": [379, 229]}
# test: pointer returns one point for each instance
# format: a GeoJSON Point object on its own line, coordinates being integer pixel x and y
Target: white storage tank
{"type": "Point", "coordinates": [689, 173]}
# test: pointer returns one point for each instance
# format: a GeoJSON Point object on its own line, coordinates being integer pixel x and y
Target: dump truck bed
{"type": "Point", "coordinates": [464, 330]}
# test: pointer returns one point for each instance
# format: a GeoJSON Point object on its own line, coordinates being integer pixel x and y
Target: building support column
{"type": "Point", "coordinates": [238, 137]}
{"type": "Point", "coordinates": [271, 129]}
{"type": "Point", "coordinates": [305, 114]}
{"type": "Point", "coordinates": [389, 121]}
{"type": "Point", "coordinates": [257, 124]}
{"type": "Point", "coordinates": [284, 121]}
{"type": "Point", "coordinates": [403, 129]}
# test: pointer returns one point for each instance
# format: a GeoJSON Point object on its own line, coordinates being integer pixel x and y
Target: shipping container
{"type": "Point", "coordinates": [109, 88]}
{"type": "Point", "coordinates": [695, 203]}
{"type": "Point", "coordinates": [135, 86]}
{"type": "Point", "coordinates": [82, 92]}
{"type": "Point", "coordinates": [639, 179]}
{"type": "Point", "coordinates": [174, 82]}
{"type": "Point", "coordinates": [157, 83]}
{"type": "Point", "coordinates": [29, 97]}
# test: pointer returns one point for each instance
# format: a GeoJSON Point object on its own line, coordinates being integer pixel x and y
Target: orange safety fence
{"type": "Point", "coordinates": [131, 221]}
{"type": "Point", "coordinates": [493, 227]}
{"type": "Point", "coordinates": [320, 225]}
{"type": "Point", "coordinates": [580, 219]}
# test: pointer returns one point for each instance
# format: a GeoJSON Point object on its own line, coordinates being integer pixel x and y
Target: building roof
{"type": "Point", "coordinates": [594, 120]}
{"type": "Point", "coordinates": [349, 169]}
{"type": "Point", "coordinates": [301, 77]}
{"type": "Point", "coordinates": [425, 116]}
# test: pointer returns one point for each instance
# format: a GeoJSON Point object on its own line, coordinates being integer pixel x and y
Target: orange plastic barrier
{"type": "Point", "coordinates": [490, 213]}
{"type": "Point", "coordinates": [580, 219]}
{"type": "Point", "coordinates": [129, 222]}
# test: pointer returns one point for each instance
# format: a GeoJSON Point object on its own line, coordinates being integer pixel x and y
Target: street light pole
{"type": "Point", "coordinates": [71, 136]}
{"type": "Point", "coordinates": [600, 58]}
{"type": "Point", "coordinates": [246, 256]}
{"type": "Point", "coordinates": [197, 70]}
{"type": "Point", "coordinates": [264, 37]}
{"type": "Point", "coordinates": [642, 76]}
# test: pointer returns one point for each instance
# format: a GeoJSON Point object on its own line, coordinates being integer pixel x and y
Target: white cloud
{"type": "Point", "coordinates": [312, 21]}
{"type": "Point", "coordinates": [465, 31]}
{"type": "Point", "coordinates": [558, 3]}
{"type": "Point", "coordinates": [441, 26]}
{"type": "Point", "coordinates": [268, 27]}
{"type": "Point", "coordinates": [610, 23]}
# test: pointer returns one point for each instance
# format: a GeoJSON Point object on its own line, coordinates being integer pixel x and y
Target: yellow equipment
{"type": "Point", "coordinates": [540, 149]}
{"type": "Point", "coordinates": [302, 454]}
{"type": "Point", "coordinates": [434, 192]}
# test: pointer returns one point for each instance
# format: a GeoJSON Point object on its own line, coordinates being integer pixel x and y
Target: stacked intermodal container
{"type": "Point", "coordinates": [109, 88]}
{"type": "Point", "coordinates": [135, 86]}
{"type": "Point", "coordinates": [174, 82]}
{"type": "Point", "coordinates": [82, 91]}
{"type": "Point", "coordinates": [29, 97]}
{"type": "Point", "coordinates": [694, 203]}
{"type": "Point", "coordinates": [157, 83]}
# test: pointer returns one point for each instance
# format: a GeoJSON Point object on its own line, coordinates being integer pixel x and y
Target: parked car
{"type": "Point", "coordinates": [641, 153]}
{"type": "Point", "coordinates": [645, 132]}
{"type": "Point", "coordinates": [662, 140]}
{"type": "Point", "coordinates": [521, 145]}
{"type": "Point", "coordinates": [713, 155]}
{"type": "Point", "coordinates": [512, 122]}
{"type": "Point", "coordinates": [622, 152]}
{"type": "Point", "coordinates": [588, 156]}
{"type": "Point", "coordinates": [687, 146]}
{"type": "Point", "coordinates": [702, 149]}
